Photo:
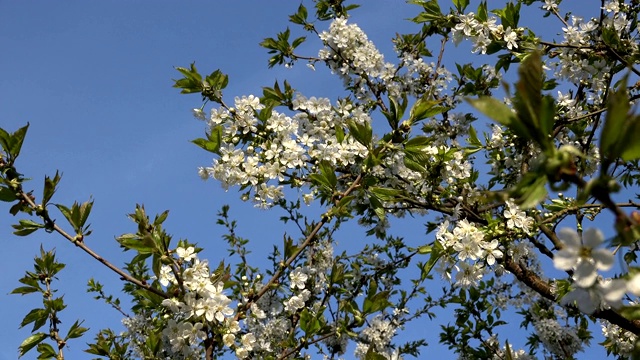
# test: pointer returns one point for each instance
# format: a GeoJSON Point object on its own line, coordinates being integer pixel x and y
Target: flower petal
{"type": "Point", "coordinates": [565, 259]}
{"type": "Point", "coordinates": [592, 237]}
{"type": "Point", "coordinates": [585, 274]}
{"type": "Point", "coordinates": [603, 258]}
{"type": "Point", "coordinates": [613, 290]}
{"type": "Point", "coordinates": [634, 285]}
{"type": "Point", "coordinates": [570, 238]}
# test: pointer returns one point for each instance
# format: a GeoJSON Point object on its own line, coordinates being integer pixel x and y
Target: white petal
{"type": "Point", "coordinates": [565, 259]}
{"type": "Point", "coordinates": [634, 285]}
{"type": "Point", "coordinates": [592, 237]}
{"type": "Point", "coordinates": [614, 290]}
{"type": "Point", "coordinates": [585, 274]}
{"type": "Point", "coordinates": [603, 258]}
{"type": "Point", "coordinates": [570, 238]}
{"type": "Point", "coordinates": [582, 299]}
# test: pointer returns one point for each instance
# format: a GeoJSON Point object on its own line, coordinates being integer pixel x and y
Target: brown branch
{"type": "Point", "coordinates": [533, 281]}
{"type": "Point", "coordinates": [79, 243]}
{"type": "Point", "coordinates": [307, 241]}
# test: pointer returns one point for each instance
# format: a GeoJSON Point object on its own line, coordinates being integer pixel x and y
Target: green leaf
{"type": "Point", "coordinates": [495, 109]}
{"type": "Point", "coordinates": [309, 323]}
{"type": "Point", "coordinates": [500, 112]}
{"type": "Point", "coordinates": [36, 316]}
{"type": "Point", "coordinates": [386, 194]}
{"type": "Point", "coordinates": [425, 108]}
{"type": "Point", "coordinates": [46, 351]}
{"type": "Point", "coordinates": [612, 131]}
{"type": "Point", "coordinates": [30, 342]}
{"type": "Point", "coordinates": [482, 15]}
{"type": "Point", "coordinates": [144, 245]}
{"type": "Point", "coordinates": [376, 206]}
{"type": "Point", "coordinates": [375, 303]}
{"type": "Point", "coordinates": [22, 290]}
{"type": "Point", "coordinates": [26, 227]}
{"type": "Point", "coordinates": [473, 138]}
{"type": "Point", "coordinates": [17, 138]}
{"type": "Point", "coordinates": [631, 149]}
{"type": "Point", "coordinates": [289, 247]}
{"type": "Point", "coordinates": [49, 188]}
{"type": "Point", "coordinates": [372, 355]}
{"type": "Point", "coordinates": [363, 133]}
{"type": "Point", "coordinates": [76, 331]}
{"type": "Point", "coordinates": [7, 194]}
{"type": "Point", "coordinates": [300, 17]}
{"type": "Point", "coordinates": [329, 173]}
{"type": "Point", "coordinates": [460, 5]}
{"type": "Point", "coordinates": [431, 11]}
{"type": "Point", "coordinates": [436, 252]}
{"type": "Point", "coordinates": [530, 191]}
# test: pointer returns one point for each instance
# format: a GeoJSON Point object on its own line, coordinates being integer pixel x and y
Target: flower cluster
{"type": "Point", "coordinates": [203, 304]}
{"type": "Point", "coordinates": [350, 54]}
{"type": "Point", "coordinates": [472, 251]}
{"type": "Point", "coordinates": [483, 33]}
{"type": "Point", "coordinates": [257, 152]}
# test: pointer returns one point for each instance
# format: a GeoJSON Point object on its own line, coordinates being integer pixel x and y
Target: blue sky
{"type": "Point", "coordinates": [94, 81]}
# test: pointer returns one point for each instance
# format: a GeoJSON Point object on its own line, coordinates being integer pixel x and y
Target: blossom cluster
{"type": "Point", "coordinates": [350, 54]}
{"type": "Point", "coordinates": [203, 305]}
{"type": "Point", "coordinates": [472, 251]}
{"type": "Point", "coordinates": [256, 154]}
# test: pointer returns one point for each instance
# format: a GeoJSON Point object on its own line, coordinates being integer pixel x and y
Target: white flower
{"type": "Point", "coordinates": [550, 5]}
{"type": "Point", "coordinates": [510, 38]}
{"type": "Point", "coordinates": [605, 294]}
{"type": "Point", "coordinates": [582, 256]}
{"type": "Point", "coordinates": [298, 278]}
{"type": "Point", "coordinates": [634, 285]}
{"type": "Point", "coordinates": [228, 339]}
{"type": "Point", "coordinates": [186, 254]}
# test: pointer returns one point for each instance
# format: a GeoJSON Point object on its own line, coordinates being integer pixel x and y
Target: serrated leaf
{"type": "Point", "coordinates": [500, 112]}
{"type": "Point", "coordinates": [46, 351]}
{"type": "Point", "coordinates": [17, 138]}
{"type": "Point", "coordinates": [26, 227]}
{"type": "Point", "coordinates": [376, 206]}
{"type": "Point", "coordinates": [386, 194]}
{"type": "Point", "coordinates": [328, 173]}
{"type": "Point", "coordinates": [22, 290]}
{"type": "Point", "coordinates": [309, 323]}
{"type": "Point", "coordinates": [425, 108]}
{"type": "Point", "coordinates": [37, 316]}
{"type": "Point", "coordinates": [375, 303]}
{"type": "Point", "coordinates": [436, 252]}
{"type": "Point", "coordinates": [473, 137]}
{"type": "Point", "coordinates": [631, 147]}
{"type": "Point", "coordinates": [76, 331]}
{"type": "Point", "coordinates": [30, 342]}
{"type": "Point", "coordinates": [214, 141]}
{"type": "Point", "coordinates": [50, 187]}
{"type": "Point", "coordinates": [363, 133]}
{"type": "Point", "coordinates": [143, 245]}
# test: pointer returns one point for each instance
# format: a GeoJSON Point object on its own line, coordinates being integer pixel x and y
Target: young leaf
{"type": "Point", "coordinates": [50, 188]}
{"type": "Point", "coordinates": [26, 227]}
{"type": "Point", "coordinates": [612, 131]}
{"type": "Point", "coordinates": [76, 331]}
{"type": "Point", "coordinates": [30, 342]}
{"type": "Point", "coordinates": [46, 351]}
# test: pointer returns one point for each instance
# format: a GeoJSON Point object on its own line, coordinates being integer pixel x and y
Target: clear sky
{"type": "Point", "coordinates": [93, 78]}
